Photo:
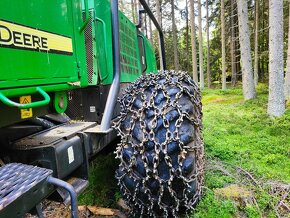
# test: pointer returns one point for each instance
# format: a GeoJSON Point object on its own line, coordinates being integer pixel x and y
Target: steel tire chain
{"type": "Point", "coordinates": [134, 102]}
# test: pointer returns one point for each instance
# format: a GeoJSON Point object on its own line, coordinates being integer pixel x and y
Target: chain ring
{"type": "Point", "coordinates": [161, 150]}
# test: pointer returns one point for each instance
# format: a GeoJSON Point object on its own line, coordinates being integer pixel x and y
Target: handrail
{"type": "Point", "coordinates": [85, 23]}
{"type": "Point", "coordinates": [39, 90]}
{"type": "Point", "coordinates": [105, 41]}
{"type": "Point", "coordinates": [161, 36]}
{"type": "Point", "coordinates": [115, 86]}
{"type": "Point", "coordinates": [144, 50]}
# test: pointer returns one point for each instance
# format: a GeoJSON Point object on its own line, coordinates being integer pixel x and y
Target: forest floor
{"type": "Point", "coordinates": [247, 160]}
{"type": "Point", "coordinates": [247, 157]}
{"type": "Point", "coordinates": [247, 171]}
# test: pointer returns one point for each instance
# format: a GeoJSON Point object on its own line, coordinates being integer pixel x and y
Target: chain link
{"type": "Point", "coordinates": [144, 107]}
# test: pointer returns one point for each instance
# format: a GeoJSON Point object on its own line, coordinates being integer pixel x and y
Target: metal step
{"type": "Point", "coordinates": [21, 188]}
{"type": "Point", "coordinates": [79, 186]}
{"type": "Point", "coordinates": [98, 130]}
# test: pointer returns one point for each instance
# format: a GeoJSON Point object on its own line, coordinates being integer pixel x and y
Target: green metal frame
{"type": "Point", "coordinates": [26, 71]}
{"type": "Point", "coordinates": [130, 59]}
{"type": "Point", "coordinates": [22, 70]}
{"type": "Point", "coordinates": [11, 103]}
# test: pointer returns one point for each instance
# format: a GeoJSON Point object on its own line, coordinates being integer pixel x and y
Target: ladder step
{"type": "Point", "coordinates": [79, 186]}
{"type": "Point", "coordinates": [19, 180]}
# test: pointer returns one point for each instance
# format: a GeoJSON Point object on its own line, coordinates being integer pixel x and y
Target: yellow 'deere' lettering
{"type": "Point", "coordinates": [26, 37]}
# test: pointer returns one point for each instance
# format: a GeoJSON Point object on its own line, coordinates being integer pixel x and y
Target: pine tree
{"type": "Point", "coordinates": [233, 44]}
{"type": "Point", "coordinates": [208, 48]}
{"type": "Point", "coordinates": [246, 61]}
{"type": "Point", "coordinates": [256, 61]}
{"type": "Point", "coordinates": [200, 46]}
{"type": "Point", "coordinates": [224, 85]}
{"type": "Point", "coordinates": [159, 19]}
{"type": "Point", "coordinates": [175, 51]}
{"type": "Point", "coordinates": [276, 101]}
{"type": "Point", "coordinates": [287, 78]}
{"type": "Point", "coordinates": [193, 42]}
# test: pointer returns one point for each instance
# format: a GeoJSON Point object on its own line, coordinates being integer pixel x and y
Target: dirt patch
{"type": "Point", "coordinates": [52, 209]}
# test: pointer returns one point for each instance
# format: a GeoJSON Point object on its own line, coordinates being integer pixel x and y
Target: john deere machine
{"type": "Point", "coordinates": [63, 64]}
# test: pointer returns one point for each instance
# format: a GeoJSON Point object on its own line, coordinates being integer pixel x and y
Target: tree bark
{"type": "Point", "coordinates": [175, 51]}
{"type": "Point", "coordinates": [208, 48]}
{"type": "Point", "coordinates": [187, 37]}
{"type": "Point", "coordinates": [159, 19]}
{"type": "Point", "coordinates": [136, 10]}
{"type": "Point", "coordinates": [200, 46]}
{"type": "Point", "coordinates": [245, 47]}
{"type": "Point", "coordinates": [287, 78]}
{"type": "Point", "coordinates": [193, 42]}
{"type": "Point", "coordinates": [233, 45]}
{"type": "Point", "coordinates": [122, 7]}
{"type": "Point", "coordinates": [224, 85]}
{"type": "Point", "coordinates": [133, 11]}
{"type": "Point", "coordinates": [150, 26]}
{"type": "Point", "coordinates": [276, 101]}
{"type": "Point", "coordinates": [256, 61]}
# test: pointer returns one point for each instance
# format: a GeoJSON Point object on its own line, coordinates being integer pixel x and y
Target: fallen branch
{"type": "Point", "coordinates": [249, 176]}
{"type": "Point", "coordinates": [101, 211]}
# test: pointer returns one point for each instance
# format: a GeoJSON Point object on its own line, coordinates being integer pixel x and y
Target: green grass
{"type": "Point", "coordinates": [240, 134]}
{"type": "Point", "coordinates": [236, 134]}
{"type": "Point", "coordinates": [103, 190]}
{"type": "Point", "coordinates": [243, 134]}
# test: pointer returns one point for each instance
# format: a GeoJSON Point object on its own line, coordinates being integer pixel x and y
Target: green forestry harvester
{"type": "Point", "coordinates": [63, 64]}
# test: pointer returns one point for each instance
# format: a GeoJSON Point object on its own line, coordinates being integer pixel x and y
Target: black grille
{"type": "Point", "coordinates": [75, 105]}
{"type": "Point", "coordinates": [89, 47]}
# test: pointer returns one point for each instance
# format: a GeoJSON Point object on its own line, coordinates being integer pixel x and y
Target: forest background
{"type": "Point", "coordinates": [238, 52]}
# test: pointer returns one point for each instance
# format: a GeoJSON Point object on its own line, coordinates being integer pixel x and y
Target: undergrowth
{"type": "Point", "coordinates": [103, 190]}
{"type": "Point", "coordinates": [240, 135]}
{"type": "Point", "coordinates": [242, 145]}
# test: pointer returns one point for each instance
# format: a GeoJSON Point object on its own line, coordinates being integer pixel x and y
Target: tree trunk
{"type": "Point", "coordinates": [187, 37]}
{"type": "Point", "coordinates": [200, 46]}
{"type": "Point", "coordinates": [159, 19]}
{"type": "Point", "coordinates": [224, 76]}
{"type": "Point", "coordinates": [233, 45]}
{"type": "Point", "coordinates": [136, 10]}
{"type": "Point", "coordinates": [245, 47]}
{"type": "Point", "coordinates": [150, 26]}
{"type": "Point", "coordinates": [122, 7]}
{"type": "Point", "coordinates": [263, 46]}
{"type": "Point", "coordinates": [276, 101]}
{"type": "Point", "coordinates": [256, 61]}
{"type": "Point", "coordinates": [193, 42]}
{"type": "Point", "coordinates": [208, 48]}
{"type": "Point", "coordinates": [133, 10]}
{"type": "Point", "coordinates": [287, 78]}
{"type": "Point", "coordinates": [175, 51]}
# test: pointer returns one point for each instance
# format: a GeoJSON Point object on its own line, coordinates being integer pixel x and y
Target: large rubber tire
{"type": "Point", "coordinates": [161, 149]}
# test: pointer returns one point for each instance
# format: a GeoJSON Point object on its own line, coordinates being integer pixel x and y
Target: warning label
{"type": "Point", "coordinates": [25, 113]}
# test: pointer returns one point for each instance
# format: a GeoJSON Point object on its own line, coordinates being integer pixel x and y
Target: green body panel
{"type": "Point", "coordinates": [130, 59]}
{"type": "Point", "coordinates": [57, 45]}
{"type": "Point", "coordinates": [23, 67]}
{"type": "Point", "coordinates": [103, 37]}
{"type": "Point", "coordinates": [150, 57]}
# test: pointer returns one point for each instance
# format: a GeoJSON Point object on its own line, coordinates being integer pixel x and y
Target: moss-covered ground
{"type": "Point", "coordinates": [243, 146]}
